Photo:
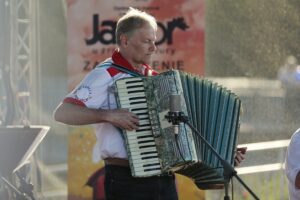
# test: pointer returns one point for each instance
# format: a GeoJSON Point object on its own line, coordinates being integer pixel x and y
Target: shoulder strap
{"type": "Point", "coordinates": [123, 69]}
{"type": "Point", "coordinates": [109, 62]}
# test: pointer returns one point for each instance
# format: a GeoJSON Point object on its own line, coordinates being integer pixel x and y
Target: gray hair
{"type": "Point", "coordinates": [133, 20]}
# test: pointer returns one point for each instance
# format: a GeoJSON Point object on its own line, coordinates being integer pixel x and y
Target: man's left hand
{"type": "Point", "coordinates": [239, 155]}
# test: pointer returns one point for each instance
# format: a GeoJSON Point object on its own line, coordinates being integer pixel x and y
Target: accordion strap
{"type": "Point", "coordinates": [110, 63]}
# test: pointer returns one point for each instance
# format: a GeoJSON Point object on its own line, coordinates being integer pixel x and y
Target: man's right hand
{"type": "Point", "coordinates": [123, 119]}
{"type": "Point", "coordinates": [72, 114]}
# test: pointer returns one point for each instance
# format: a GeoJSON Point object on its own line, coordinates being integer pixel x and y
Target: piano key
{"type": "Point", "coordinates": [139, 138]}
{"type": "Point", "coordinates": [145, 163]}
{"type": "Point", "coordinates": [144, 121]}
{"type": "Point", "coordinates": [150, 167]}
{"type": "Point", "coordinates": [143, 145]}
{"type": "Point", "coordinates": [140, 151]}
{"type": "Point", "coordinates": [142, 105]}
{"type": "Point", "coordinates": [126, 86]}
{"type": "Point", "coordinates": [129, 82]}
{"type": "Point", "coordinates": [127, 96]}
{"type": "Point", "coordinates": [142, 137]}
{"type": "Point", "coordinates": [141, 115]}
{"type": "Point", "coordinates": [140, 143]}
{"type": "Point", "coordinates": [131, 91]}
{"type": "Point", "coordinates": [131, 94]}
{"type": "Point", "coordinates": [142, 129]}
{"type": "Point", "coordinates": [134, 102]}
{"type": "Point", "coordinates": [136, 147]}
{"type": "Point", "coordinates": [129, 133]}
{"type": "Point", "coordinates": [145, 156]}
{"type": "Point", "coordinates": [147, 173]}
{"type": "Point", "coordinates": [136, 98]}
{"type": "Point", "coordinates": [151, 163]}
{"type": "Point", "coordinates": [154, 167]}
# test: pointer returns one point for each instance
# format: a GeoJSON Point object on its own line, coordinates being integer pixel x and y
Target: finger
{"type": "Point", "coordinates": [242, 149]}
{"type": "Point", "coordinates": [236, 163]}
{"type": "Point", "coordinates": [135, 122]}
{"type": "Point", "coordinates": [135, 116]}
{"type": "Point", "coordinates": [131, 126]}
{"type": "Point", "coordinates": [239, 154]}
{"type": "Point", "coordinates": [239, 158]}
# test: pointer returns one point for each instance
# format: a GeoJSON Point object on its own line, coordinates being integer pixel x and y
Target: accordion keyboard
{"type": "Point", "coordinates": [143, 152]}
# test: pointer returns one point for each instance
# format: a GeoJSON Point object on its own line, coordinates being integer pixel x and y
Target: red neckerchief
{"type": "Point", "coordinates": [120, 60]}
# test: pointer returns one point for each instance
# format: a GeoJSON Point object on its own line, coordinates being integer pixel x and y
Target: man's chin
{"type": "Point", "coordinates": [147, 61]}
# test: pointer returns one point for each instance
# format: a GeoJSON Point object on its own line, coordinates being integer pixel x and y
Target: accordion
{"type": "Point", "coordinates": [154, 149]}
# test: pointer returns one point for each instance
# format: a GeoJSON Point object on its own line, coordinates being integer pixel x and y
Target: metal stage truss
{"type": "Point", "coordinates": [18, 61]}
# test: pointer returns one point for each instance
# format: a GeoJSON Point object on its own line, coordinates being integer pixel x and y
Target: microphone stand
{"type": "Point", "coordinates": [229, 171]}
{"type": "Point", "coordinates": [26, 188]}
{"type": "Point", "coordinates": [24, 192]}
{"type": "Point", "coordinates": [16, 191]}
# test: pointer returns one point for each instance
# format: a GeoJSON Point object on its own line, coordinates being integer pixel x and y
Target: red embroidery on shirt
{"type": "Point", "coordinates": [74, 101]}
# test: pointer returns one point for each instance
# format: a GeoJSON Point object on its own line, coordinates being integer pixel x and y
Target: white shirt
{"type": "Point", "coordinates": [93, 92]}
{"type": "Point", "coordinates": [292, 165]}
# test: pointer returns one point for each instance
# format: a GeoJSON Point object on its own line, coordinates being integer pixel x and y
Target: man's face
{"type": "Point", "coordinates": [141, 45]}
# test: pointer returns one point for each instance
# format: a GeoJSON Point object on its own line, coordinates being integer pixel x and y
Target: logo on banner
{"type": "Point", "coordinates": [106, 35]}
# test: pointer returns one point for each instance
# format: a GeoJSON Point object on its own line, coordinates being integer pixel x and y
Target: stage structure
{"type": "Point", "coordinates": [17, 145]}
{"type": "Point", "coordinates": [19, 88]}
{"type": "Point", "coordinates": [18, 61]}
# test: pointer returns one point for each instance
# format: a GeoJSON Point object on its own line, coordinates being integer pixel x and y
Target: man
{"type": "Point", "coordinates": [92, 102]}
{"type": "Point", "coordinates": [292, 166]}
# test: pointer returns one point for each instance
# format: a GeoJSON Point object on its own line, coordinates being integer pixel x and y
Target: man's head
{"type": "Point", "coordinates": [133, 20]}
{"type": "Point", "coordinates": [136, 35]}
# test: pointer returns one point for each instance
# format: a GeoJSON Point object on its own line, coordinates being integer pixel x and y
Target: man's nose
{"type": "Point", "coordinates": [153, 47]}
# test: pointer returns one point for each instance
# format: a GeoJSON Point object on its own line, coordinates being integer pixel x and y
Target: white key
{"type": "Point", "coordinates": [148, 149]}
{"type": "Point", "coordinates": [139, 163]}
{"type": "Point", "coordinates": [144, 156]}
{"type": "Point", "coordinates": [124, 86]}
{"type": "Point", "coordinates": [135, 145]}
{"type": "Point", "coordinates": [147, 173]}
{"type": "Point", "coordinates": [142, 105]}
{"type": "Point", "coordinates": [137, 153]}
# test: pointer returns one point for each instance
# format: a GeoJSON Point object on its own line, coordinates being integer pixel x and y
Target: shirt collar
{"type": "Point", "coordinates": [118, 59]}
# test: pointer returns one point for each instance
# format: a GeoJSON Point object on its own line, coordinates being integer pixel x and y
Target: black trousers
{"type": "Point", "coordinates": [120, 185]}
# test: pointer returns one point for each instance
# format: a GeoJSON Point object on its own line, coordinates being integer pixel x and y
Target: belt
{"type": "Point", "coordinates": [116, 161]}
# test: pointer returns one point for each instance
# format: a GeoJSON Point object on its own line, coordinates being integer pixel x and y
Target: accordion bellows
{"type": "Point", "coordinates": [154, 149]}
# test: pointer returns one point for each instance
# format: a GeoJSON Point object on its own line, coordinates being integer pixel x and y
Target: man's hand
{"type": "Point", "coordinates": [239, 155]}
{"type": "Point", "coordinates": [123, 119]}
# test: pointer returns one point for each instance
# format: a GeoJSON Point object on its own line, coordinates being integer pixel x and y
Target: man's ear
{"type": "Point", "coordinates": [123, 40]}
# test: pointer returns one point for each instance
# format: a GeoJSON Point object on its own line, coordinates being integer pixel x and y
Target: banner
{"type": "Point", "coordinates": [91, 39]}
{"type": "Point", "coordinates": [90, 33]}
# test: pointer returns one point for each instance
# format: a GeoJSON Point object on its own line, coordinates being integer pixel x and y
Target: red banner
{"type": "Point", "coordinates": [91, 39]}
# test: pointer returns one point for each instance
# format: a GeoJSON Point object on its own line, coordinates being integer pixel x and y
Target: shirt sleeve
{"type": "Point", "coordinates": [92, 90]}
{"type": "Point", "coordinates": [292, 164]}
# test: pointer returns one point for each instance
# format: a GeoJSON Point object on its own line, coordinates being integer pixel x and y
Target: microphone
{"type": "Point", "coordinates": [175, 111]}
{"type": "Point", "coordinates": [175, 106]}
